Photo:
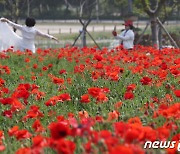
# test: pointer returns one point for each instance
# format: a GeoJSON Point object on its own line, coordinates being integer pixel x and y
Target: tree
{"type": "Point", "coordinates": [152, 9]}
{"type": "Point", "coordinates": [125, 7]}
{"type": "Point", "coordinates": [13, 8]}
{"type": "Point", "coordinates": [84, 10]}
{"type": "Point", "coordinates": [169, 8]}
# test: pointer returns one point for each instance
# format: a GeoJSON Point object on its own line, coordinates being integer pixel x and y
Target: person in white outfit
{"type": "Point", "coordinates": [126, 37]}
{"type": "Point", "coordinates": [28, 32]}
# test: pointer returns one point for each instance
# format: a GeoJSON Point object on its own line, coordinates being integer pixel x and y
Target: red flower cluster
{"type": "Point", "coordinates": [140, 88]}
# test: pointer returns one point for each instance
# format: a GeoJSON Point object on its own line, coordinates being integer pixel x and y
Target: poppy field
{"type": "Point", "coordinates": [85, 100]}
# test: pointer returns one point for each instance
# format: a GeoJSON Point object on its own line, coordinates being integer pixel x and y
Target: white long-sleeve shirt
{"type": "Point", "coordinates": [28, 36]}
{"type": "Point", "coordinates": [127, 38]}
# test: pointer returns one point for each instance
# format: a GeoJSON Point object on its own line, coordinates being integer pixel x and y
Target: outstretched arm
{"type": "Point", "coordinates": [16, 26]}
{"type": "Point", "coordinates": [46, 35]}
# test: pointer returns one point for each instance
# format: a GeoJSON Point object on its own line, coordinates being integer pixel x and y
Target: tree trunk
{"type": "Point", "coordinates": [154, 31]}
{"type": "Point", "coordinates": [160, 38]}
{"type": "Point", "coordinates": [28, 8]}
{"type": "Point", "coordinates": [83, 38]}
{"type": "Point", "coordinates": [130, 10]}
{"type": "Point", "coordinates": [97, 11]}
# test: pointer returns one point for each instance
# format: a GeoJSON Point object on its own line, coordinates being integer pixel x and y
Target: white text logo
{"type": "Point", "coordinates": [161, 145]}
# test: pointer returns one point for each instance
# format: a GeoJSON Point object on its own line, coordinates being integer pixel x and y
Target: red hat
{"type": "Point", "coordinates": [128, 23]}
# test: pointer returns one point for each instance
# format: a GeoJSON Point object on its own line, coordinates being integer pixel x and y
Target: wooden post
{"type": "Point", "coordinates": [83, 37]}
{"type": "Point", "coordinates": [167, 33]}
{"type": "Point", "coordinates": [104, 28]}
{"type": "Point", "coordinates": [93, 40]}
{"type": "Point", "coordinates": [93, 28]}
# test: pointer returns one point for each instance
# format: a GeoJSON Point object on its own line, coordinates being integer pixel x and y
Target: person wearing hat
{"type": "Point", "coordinates": [126, 37]}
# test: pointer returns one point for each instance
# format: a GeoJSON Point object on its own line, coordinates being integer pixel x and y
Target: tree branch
{"type": "Point", "coordinates": [160, 5]}
{"type": "Point", "coordinates": [146, 8]}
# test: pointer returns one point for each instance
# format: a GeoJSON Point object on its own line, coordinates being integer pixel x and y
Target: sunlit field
{"type": "Point", "coordinates": [85, 100]}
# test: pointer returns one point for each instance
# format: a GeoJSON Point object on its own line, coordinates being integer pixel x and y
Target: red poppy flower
{"type": "Point", "coordinates": [131, 87]}
{"type": "Point", "coordinates": [16, 105]}
{"type": "Point", "coordinates": [64, 97]}
{"type": "Point", "coordinates": [79, 69]}
{"type": "Point", "coordinates": [105, 90]}
{"type": "Point", "coordinates": [99, 118]}
{"type": "Point", "coordinates": [146, 80]}
{"type": "Point", "coordinates": [135, 120]}
{"type": "Point", "coordinates": [65, 146]}
{"type": "Point", "coordinates": [85, 98]}
{"type": "Point", "coordinates": [63, 71]}
{"type": "Point", "coordinates": [35, 66]}
{"type": "Point", "coordinates": [22, 134]}
{"type": "Point", "coordinates": [39, 141]}
{"type": "Point", "coordinates": [113, 115]}
{"type": "Point", "coordinates": [21, 77]}
{"type": "Point", "coordinates": [50, 65]}
{"type": "Point", "coordinates": [57, 80]}
{"type": "Point", "coordinates": [131, 135]}
{"type": "Point", "coordinates": [98, 57]}
{"type": "Point", "coordinates": [88, 147]}
{"type": "Point", "coordinates": [163, 133]}
{"type": "Point", "coordinates": [83, 114]}
{"type": "Point", "coordinates": [45, 68]}
{"type": "Point", "coordinates": [5, 90]}
{"type": "Point", "coordinates": [164, 66]}
{"type": "Point", "coordinates": [58, 130]}
{"type": "Point", "coordinates": [177, 92]}
{"type": "Point", "coordinates": [37, 126]}
{"type": "Point", "coordinates": [1, 135]}
{"type": "Point", "coordinates": [33, 112]}
{"type": "Point", "coordinates": [69, 80]}
{"type": "Point", "coordinates": [94, 91]}
{"type": "Point", "coordinates": [121, 149]}
{"type": "Point", "coordinates": [120, 128]}
{"type": "Point", "coordinates": [13, 130]}
{"type": "Point", "coordinates": [2, 148]}
{"type": "Point", "coordinates": [118, 105]}
{"type": "Point", "coordinates": [128, 95]}
{"type": "Point", "coordinates": [176, 137]}
{"type": "Point", "coordinates": [2, 82]}
{"type": "Point", "coordinates": [21, 94]}
{"type": "Point", "coordinates": [24, 151]}
{"type": "Point", "coordinates": [8, 113]}
{"type": "Point", "coordinates": [27, 60]}
{"type": "Point", "coordinates": [102, 97]}
{"type": "Point", "coordinates": [33, 78]}
{"type": "Point", "coordinates": [6, 101]}
{"type": "Point", "coordinates": [52, 101]}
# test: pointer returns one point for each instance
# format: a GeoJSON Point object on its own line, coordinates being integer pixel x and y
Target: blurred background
{"type": "Point", "coordinates": [67, 19]}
